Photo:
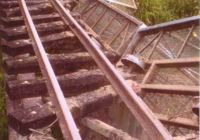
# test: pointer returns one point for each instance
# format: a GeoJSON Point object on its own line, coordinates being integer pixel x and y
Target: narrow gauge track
{"type": "Point", "coordinates": [56, 54]}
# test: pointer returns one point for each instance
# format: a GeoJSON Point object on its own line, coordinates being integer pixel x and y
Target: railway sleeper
{"type": "Point", "coordinates": [71, 84]}
{"type": "Point", "coordinates": [35, 7]}
{"type": "Point", "coordinates": [34, 10]}
{"type": "Point", "coordinates": [15, 33]}
{"type": "Point", "coordinates": [61, 63]}
{"type": "Point", "coordinates": [14, 4]}
{"type": "Point", "coordinates": [40, 115]}
{"type": "Point", "coordinates": [105, 130]}
{"type": "Point", "coordinates": [37, 114]}
{"type": "Point", "coordinates": [19, 21]}
{"type": "Point", "coordinates": [63, 42]}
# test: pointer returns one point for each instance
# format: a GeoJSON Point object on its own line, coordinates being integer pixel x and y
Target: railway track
{"type": "Point", "coordinates": [62, 65]}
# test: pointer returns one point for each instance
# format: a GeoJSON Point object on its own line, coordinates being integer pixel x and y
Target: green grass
{"type": "Point", "coordinates": [3, 117]}
{"type": "Point", "coordinates": [158, 11]}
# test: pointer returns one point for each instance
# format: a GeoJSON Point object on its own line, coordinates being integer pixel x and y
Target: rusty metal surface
{"type": "Point", "coordinates": [139, 109]}
{"type": "Point", "coordinates": [67, 124]}
{"type": "Point", "coordinates": [104, 19]}
{"type": "Point", "coordinates": [134, 62]}
{"type": "Point", "coordinates": [169, 86]}
{"type": "Point", "coordinates": [171, 45]}
{"type": "Point", "coordinates": [130, 4]}
{"type": "Point", "coordinates": [172, 25]}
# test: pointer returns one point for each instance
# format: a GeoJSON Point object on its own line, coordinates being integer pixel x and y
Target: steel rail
{"type": "Point", "coordinates": [67, 124]}
{"type": "Point", "coordinates": [139, 109]}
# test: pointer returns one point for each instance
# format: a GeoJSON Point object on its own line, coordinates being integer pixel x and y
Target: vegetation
{"type": "Point", "coordinates": [3, 120]}
{"type": "Point", "coordinates": [158, 11]}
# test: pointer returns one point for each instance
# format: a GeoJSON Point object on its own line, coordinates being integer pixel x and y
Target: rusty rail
{"type": "Point", "coordinates": [139, 109]}
{"type": "Point", "coordinates": [67, 124]}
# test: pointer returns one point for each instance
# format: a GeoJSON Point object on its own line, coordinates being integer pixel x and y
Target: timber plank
{"type": "Point", "coordinates": [61, 63]}
{"type": "Point", "coordinates": [34, 10]}
{"type": "Point", "coordinates": [19, 21]}
{"type": "Point", "coordinates": [20, 32]}
{"type": "Point", "coordinates": [60, 42]}
{"type": "Point", "coordinates": [171, 89]}
{"type": "Point", "coordinates": [39, 116]}
{"type": "Point", "coordinates": [71, 84]}
{"type": "Point", "coordinates": [14, 4]}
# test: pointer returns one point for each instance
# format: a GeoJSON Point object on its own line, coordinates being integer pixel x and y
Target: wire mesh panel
{"type": "Point", "coordinates": [172, 107]}
{"type": "Point", "coordinates": [176, 108]}
{"type": "Point", "coordinates": [109, 23]}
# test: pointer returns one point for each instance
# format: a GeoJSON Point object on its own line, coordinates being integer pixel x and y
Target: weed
{"type": "Point", "coordinates": [158, 11]}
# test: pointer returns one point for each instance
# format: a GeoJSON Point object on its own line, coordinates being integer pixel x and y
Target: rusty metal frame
{"type": "Point", "coordinates": [125, 35]}
{"type": "Point", "coordinates": [108, 24]}
{"type": "Point", "coordinates": [88, 8]}
{"type": "Point", "coordinates": [167, 26]}
{"type": "Point", "coordinates": [139, 109]}
{"type": "Point", "coordinates": [117, 13]}
{"type": "Point", "coordinates": [148, 44]}
{"type": "Point", "coordinates": [91, 12]}
{"type": "Point", "coordinates": [172, 25]}
{"type": "Point", "coordinates": [67, 123]}
{"type": "Point", "coordinates": [170, 89]}
{"type": "Point", "coordinates": [124, 4]}
{"type": "Point", "coordinates": [123, 14]}
{"type": "Point", "coordinates": [156, 44]}
{"type": "Point", "coordinates": [118, 33]}
{"type": "Point", "coordinates": [179, 62]}
{"type": "Point", "coordinates": [185, 42]}
{"type": "Point", "coordinates": [179, 122]}
{"type": "Point", "coordinates": [99, 18]}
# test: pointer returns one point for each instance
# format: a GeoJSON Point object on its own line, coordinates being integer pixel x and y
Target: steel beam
{"type": "Point", "coordinates": [180, 62]}
{"type": "Point", "coordinates": [172, 25]}
{"type": "Point", "coordinates": [187, 137]}
{"type": "Point", "coordinates": [172, 89]}
{"type": "Point", "coordinates": [178, 121]}
{"type": "Point", "coordinates": [123, 4]}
